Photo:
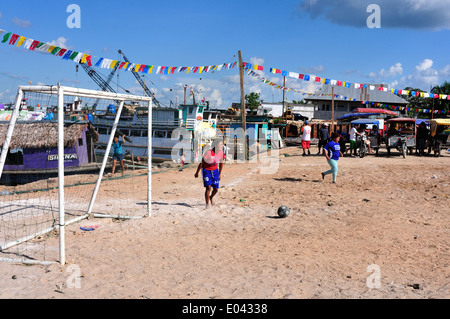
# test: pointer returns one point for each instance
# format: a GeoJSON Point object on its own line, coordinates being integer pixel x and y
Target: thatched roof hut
{"type": "Point", "coordinates": [45, 134]}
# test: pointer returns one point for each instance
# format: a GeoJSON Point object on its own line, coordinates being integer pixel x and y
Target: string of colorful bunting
{"type": "Point", "coordinates": [277, 86]}
{"type": "Point", "coordinates": [316, 79]}
{"type": "Point", "coordinates": [343, 97]}
{"type": "Point", "coordinates": [405, 108]}
{"type": "Point", "coordinates": [80, 57]}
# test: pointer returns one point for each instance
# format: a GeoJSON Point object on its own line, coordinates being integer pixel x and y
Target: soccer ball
{"type": "Point", "coordinates": [283, 211]}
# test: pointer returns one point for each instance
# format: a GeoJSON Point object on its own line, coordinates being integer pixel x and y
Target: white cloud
{"type": "Point", "coordinates": [393, 71]}
{"type": "Point", "coordinates": [60, 42]}
{"type": "Point", "coordinates": [216, 96]}
{"type": "Point", "coordinates": [21, 23]}
{"type": "Point", "coordinates": [424, 65]}
{"type": "Point", "coordinates": [313, 69]}
{"type": "Point", "coordinates": [422, 76]}
{"type": "Point", "coordinates": [382, 75]}
{"type": "Point", "coordinates": [6, 96]}
{"type": "Point", "coordinates": [257, 61]}
{"type": "Point", "coordinates": [445, 72]}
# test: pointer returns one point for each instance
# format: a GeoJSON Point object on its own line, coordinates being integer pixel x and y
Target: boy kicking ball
{"type": "Point", "coordinates": [211, 166]}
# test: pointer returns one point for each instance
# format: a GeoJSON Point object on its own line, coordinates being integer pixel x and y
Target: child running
{"type": "Point", "coordinates": [332, 152]}
{"type": "Point", "coordinates": [212, 167]}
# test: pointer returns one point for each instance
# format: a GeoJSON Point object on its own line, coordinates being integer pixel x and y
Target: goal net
{"type": "Point", "coordinates": [56, 167]}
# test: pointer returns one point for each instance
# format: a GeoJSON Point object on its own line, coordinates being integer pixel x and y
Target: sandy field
{"type": "Point", "coordinates": [385, 218]}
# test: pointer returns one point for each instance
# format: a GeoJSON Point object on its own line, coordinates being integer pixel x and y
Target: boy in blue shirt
{"type": "Point", "coordinates": [118, 153]}
{"type": "Point", "coordinates": [332, 152]}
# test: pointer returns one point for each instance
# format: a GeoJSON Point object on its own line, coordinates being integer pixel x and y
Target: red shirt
{"type": "Point", "coordinates": [211, 160]}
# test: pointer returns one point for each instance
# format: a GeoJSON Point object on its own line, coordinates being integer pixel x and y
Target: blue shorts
{"type": "Point", "coordinates": [118, 157]}
{"type": "Point", "coordinates": [210, 178]}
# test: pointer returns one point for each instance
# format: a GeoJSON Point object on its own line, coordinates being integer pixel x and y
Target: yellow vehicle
{"type": "Point", "coordinates": [288, 113]}
{"type": "Point", "coordinates": [440, 130]}
{"type": "Point", "coordinates": [233, 111]}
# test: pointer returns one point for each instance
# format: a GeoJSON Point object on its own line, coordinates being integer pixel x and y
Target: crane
{"type": "Point", "coordinates": [103, 84]}
{"type": "Point", "coordinates": [141, 82]}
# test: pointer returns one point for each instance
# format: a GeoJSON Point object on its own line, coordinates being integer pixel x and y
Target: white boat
{"type": "Point", "coordinates": [167, 123]}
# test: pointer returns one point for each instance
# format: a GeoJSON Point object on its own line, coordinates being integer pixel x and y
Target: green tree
{"type": "Point", "coordinates": [252, 100]}
{"type": "Point", "coordinates": [416, 102]}
{"type": "Point", "coordinates": [440, 104]}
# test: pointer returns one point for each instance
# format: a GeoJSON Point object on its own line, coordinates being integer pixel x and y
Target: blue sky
{"type": "Point", "coordinates": [319, 37]}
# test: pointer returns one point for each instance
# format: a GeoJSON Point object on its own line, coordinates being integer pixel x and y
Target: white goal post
{"type": "Point", "coordinates": [61, 92]}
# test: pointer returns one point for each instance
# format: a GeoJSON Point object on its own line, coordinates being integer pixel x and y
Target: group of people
{"type": "Point", "coordinates": [333, 145]}
{"type": "Point", "coordinates": [212, 163]}
{"type": "Point", "coordinates": [330, 146]}
{"type": "Point", "coordinates": [423, 134]}
{"type": "Point", "coordinates": [211, 166]}
{"type": "Point", "coordinates": [357, 131]}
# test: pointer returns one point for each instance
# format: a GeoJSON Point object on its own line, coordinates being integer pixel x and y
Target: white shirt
{"type": "Point", "coordinates": [353, 134]}
{"type": "Point", "coordinates": [306, 133]}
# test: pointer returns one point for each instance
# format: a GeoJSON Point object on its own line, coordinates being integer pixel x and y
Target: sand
{"type": "Point", "coordinates": [388, 214]}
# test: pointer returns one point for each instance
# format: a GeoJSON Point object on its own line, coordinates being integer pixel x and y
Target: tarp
{"type": "Point", "coordinates": [418, 121]}
{"type": "Point", "coordinates": [350, 115]}
{"type": "Point", "coordinates": [23, 116]}
{"type": "Point", "coordinates": [373, 110]}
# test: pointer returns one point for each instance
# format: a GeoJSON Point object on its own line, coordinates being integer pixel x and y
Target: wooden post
{"type": "Point", "coordinates": [432, 111]}
{"type": "Point", "coordinates": [243, 115]}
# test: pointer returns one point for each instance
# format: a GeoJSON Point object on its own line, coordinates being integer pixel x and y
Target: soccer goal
{"type": "Point", "coordinates": [56, 167]}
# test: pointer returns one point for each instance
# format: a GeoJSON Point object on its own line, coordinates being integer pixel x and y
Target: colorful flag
{"type": "Point", "coordinates": [13, 39]}
{"type": "Point", "coordinates": [34, 45]}
{"type": "Point", "coordinates": [73, 55]}
{"type": "Point", "coordinates": [21, 41]}
{"type": "Point", "coordinates": [67, 55]}
{"type": "Point", "coordinates": [6, 37]}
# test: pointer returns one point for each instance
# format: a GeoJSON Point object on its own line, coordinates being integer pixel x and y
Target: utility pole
{"type": "Point", "coordinates": [243, 115]}
{"type": "Point", "coordinates": [432, 112]}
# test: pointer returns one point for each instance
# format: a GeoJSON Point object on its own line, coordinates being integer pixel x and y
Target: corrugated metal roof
{"type": "Point", "coordinates": [364, 94]}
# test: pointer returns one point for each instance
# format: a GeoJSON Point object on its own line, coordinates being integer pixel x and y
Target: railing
{"type": "Point", "coordinates": [189, 124]}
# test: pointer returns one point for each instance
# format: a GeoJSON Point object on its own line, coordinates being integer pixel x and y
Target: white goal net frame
{"type": "Point", "coordinates": [61, 92]}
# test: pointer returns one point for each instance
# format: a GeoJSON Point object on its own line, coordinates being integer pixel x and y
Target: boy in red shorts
{"type": "Point", "coordinates": [211, 166]}
{"type": "Point", "coordinates": [306, 138]}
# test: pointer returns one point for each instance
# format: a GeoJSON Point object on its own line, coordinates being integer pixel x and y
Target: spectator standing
{"type": "Point", "coordinates": [324, 135]}
{"type": "Point", "coordinates": [306, 138]}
